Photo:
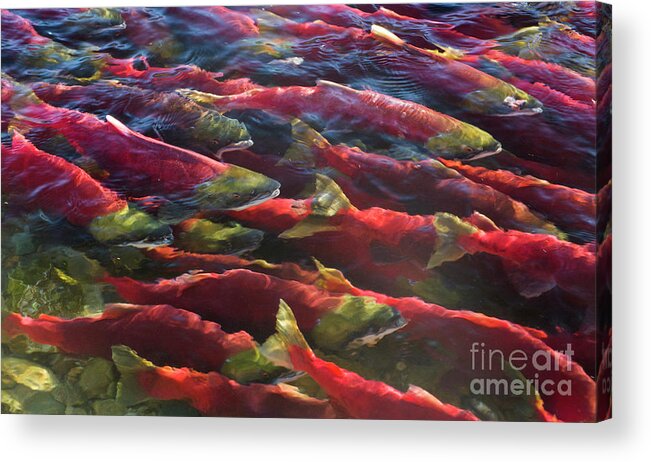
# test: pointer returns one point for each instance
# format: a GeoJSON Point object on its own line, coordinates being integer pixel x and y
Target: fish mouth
{"type": "Point", "coordinates": [372, 337]}
{"type": "Point", "coordinates": [518, 107]}
{"type": "Point", "coordinates": [522, 112]}
{"type": "Point", "coordinates": [149, 243]}
{"type": "Point", "coordinates": [258, 200]}
{"type": "Point", "coordinates": [244, 144]}
{"type": "Point", "coordinates": [484, 154]}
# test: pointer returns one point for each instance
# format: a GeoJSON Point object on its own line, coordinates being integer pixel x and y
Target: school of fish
{"type": "Point", "coordinates": [314, 211]}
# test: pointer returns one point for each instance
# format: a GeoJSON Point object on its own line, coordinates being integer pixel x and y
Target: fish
{"type": "Point", "coordinates": [145, 166]}
{"type": "Point", "coordinates": [177, 261]}
{"type": "Point", "coordinates": [168, 116]}
{"type": "Point", "coordinates": [161, 332]}
{"type": "Point", "coordinates": [210, 22]}
{"type": "Point", "coordinates": [388, 244]}
{"type": "Point", "coordinates": [554, 42]}
{"type": "Point", "coordinates": [202, 235]}
{"type": "Point", "coordinates": [446, 84]}
{"type": "Point", "coordinates": [555, 76]}
{"type": "Point", "coordinates": [336, 105]}
{"type": "Point", "coordinates": [482, 93]}
{"type": "Point", "coordinates": [357, 397]}
{"type": "Point", "coordinates": [429, 186]}
{"type": "Point", "coordinates": [420, 32]}
{"type": "Point", "coordinates": [429, 320]}
{"type": "Point", "coordinates": [247, 301]}
{"type": "Point", "coordinates": [571, 177]}
{"type": "Point", "coordinates": [48, 60]}
{"type": "Point", "coordinates": [423, 321]}
{"type": "Point", "coordinates": [212, 393]}
{"type": "Point", "coordinates": [24, 49]}
{"type": "Point", "coordinates": [138, 72]}
{"type": "Point", "coordinates": [535, 263]}
{"type": "Point", "coordinates": [571, 208]}
{"type": "Point", "coordinates": [41, 181]}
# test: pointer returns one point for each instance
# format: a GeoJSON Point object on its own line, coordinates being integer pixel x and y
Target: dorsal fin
{"type": "Point", "coordinates": [335, 85]}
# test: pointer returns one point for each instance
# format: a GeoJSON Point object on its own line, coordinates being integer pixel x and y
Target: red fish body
{"type": "Point", "coordinates": [569, 207]}
{"type": "Point", "coordinates": [419, 32]}
{"type": "Point", "coordinates": [427, 185]}
{"type": "Point", "coordinates": [257, 293]}
{"type": "Point", "coordinates": [211, 22]}
{"type": "Point", "coordinates": [357, 397]}
{"type": "Point", "coordinates": [246, 300]}
{"type": "Point", "coordinates": [160, 332]}
{"type": "Point", "coordinates": [557, 77]}
{"type": "Point", "coordinates": [178, 261]}
{"type": "Point", "coordinates": [335, 105]}
{"type": "Point", "coordinates": [212, 394]}
{"type": "Point", "coordinates": [166, 115]}
{"type": "Point", "coordinates": [146, 166]}
{"type": "Point", "coordinates": [158, 167]}
{"type": "Point", "coordinates": [538, 262]}
{"type": "Point", "coordinates": [40, 180]}
{"type": "Point", "coordinates": [139, 73]}
{"type": "Point", "coordinates": [425, 320]}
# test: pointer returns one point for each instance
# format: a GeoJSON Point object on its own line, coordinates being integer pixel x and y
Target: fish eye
{"type": "Point", "coordinates": [467, 149]}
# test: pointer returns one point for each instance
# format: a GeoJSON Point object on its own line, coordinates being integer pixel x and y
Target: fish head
{"type": "Point", "coordinates": [205, 236]}
{"type": "Point", "coordinates": [235, 189]}
{"type": "Point", "coordinates": [220, 131]}
{"type": "Point", "coordinates": [357, 321]}
{"type": "Point", "coordinates": [251, 366]}
{"type": "Point", "coordinates": [465, 142]}
{"type": "Point", "coordinates": [130, 226]}
{"type": "Point", "coordinates": [502, 99]}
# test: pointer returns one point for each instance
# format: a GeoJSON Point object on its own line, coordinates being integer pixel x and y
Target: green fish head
{"type": "Point", "coordinates": [502, 100]}
{"type": "Point", "coordinates": [235, 189]}
{"type": "Point", "coordinates": [465, 142]}
{"type": "Point", "coordinates": [251, 366]}
{"type": "Point", "coordinates": [220, 131]}
{"type": "Point", "coordinates": [205, 236]}
{"type": "Point", "coordinates": [130, 226]}
{"type": "Point", "coordinates": [355, 322]}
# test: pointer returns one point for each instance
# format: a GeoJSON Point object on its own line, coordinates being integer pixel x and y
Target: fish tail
{"type": "Point", "coordinates": [307, 144]}
{"type": "Point", "coordinates": [287, 347]}
{"type": "Point", "coordinates": [448, 230]}
{"type": "Point", "coordinates": [130, 366]}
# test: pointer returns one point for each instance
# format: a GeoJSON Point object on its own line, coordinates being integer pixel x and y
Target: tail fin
{"type": "Point", "coordinates": [327, 201]}
{"type": "Point", "coordinates": [448, 229]}
{"type": "Point", "coordinates": [287, 347]}
{"type": "Point", "coordinates": [130, 365]}
{"type": "Point", "coordinates": [307, 140]}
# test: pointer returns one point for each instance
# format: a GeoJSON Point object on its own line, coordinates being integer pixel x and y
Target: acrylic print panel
{"type": "Point", "coordinates": [323, 211]}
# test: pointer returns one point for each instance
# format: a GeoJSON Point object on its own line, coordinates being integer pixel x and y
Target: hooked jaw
{"type": "Point", "coordinates": [497, 148]}
{"type": "Point", "coordinates": [529, 106]}
{"type": "Point", "coordinates": [235, 189]}
{"type": "Point", "coordinates": [130, 226]}
{"type": "Point", "coordinates": [357, 321]}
